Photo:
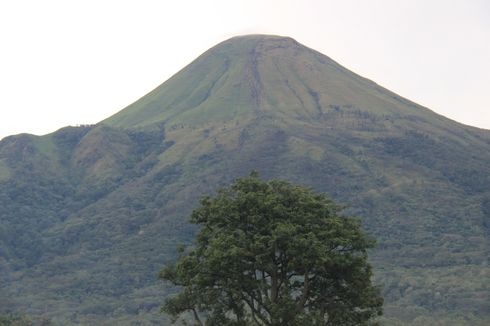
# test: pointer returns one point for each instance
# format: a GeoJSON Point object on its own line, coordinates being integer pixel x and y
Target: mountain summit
{"type": "Point", "coordinates": [262, 75]}
{"type": "Point", "coordinates": [88, 215]}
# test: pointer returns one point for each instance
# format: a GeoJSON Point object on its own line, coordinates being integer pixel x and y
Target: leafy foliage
{"type": "Point", "coordinates": [271, 253]}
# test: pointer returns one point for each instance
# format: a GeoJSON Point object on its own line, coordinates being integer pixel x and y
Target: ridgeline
{"type": "Point", "coordinates": [88, 215]}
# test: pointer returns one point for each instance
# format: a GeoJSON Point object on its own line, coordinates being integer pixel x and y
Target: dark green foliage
{"type": "Point", "coordinates": [271, 253]}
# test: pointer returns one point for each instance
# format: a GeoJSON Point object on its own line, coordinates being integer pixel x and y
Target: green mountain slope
{"type": "Point", "coordinates": [88, 215]}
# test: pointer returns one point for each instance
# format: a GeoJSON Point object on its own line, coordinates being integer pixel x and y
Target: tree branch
{"type": "Point", "coordinates": [257, 312]}
{"type": "Point", "coordinates": [196, 317]}
{"type": "Point", "coordinates": [306, 291]}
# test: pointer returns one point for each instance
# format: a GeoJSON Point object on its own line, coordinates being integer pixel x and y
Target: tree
{"type": "Point", "coordinates": [272, 253]}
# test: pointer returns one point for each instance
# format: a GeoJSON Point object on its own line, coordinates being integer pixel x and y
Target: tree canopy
{"type": "Point", "coordinates": [273, 253]}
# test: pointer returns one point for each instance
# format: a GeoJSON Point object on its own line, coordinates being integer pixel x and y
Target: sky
{"type": "Point", "coordinates": [72, 62]}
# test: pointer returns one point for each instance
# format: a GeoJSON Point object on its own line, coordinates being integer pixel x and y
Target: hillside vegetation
{"type": "Point", "coordinates": [88, 215]}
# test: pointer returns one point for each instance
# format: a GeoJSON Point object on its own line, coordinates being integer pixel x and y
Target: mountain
{"type": "Point", "coordinates": [89, 214]}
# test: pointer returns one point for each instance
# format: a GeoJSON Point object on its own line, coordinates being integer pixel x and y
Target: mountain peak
{"type": "Point", "coordinates": [261, 38]}
{"type": "Point", "coordinates": [249, 76]}
{"type": "Point", "coordinates": [258, 44]}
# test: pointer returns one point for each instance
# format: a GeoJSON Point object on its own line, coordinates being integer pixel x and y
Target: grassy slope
{"type": "Point", "coordinates": [116, 195]}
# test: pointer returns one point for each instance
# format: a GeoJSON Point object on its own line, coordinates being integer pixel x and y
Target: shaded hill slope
{"type": "Point", "coordinates": [88, 215]}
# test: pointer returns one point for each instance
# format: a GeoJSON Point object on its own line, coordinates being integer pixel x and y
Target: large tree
{"type": "Point", "coordinates": [273, 253]}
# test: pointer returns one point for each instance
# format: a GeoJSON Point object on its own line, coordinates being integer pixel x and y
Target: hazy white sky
{"type": "Point", "coordinates": [71, 62]}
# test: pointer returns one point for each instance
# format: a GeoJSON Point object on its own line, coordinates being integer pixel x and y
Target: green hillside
{"type": "Point", "coordinates": [88, 215]}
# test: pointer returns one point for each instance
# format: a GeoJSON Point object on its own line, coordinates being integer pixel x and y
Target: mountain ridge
{"type": "Point", "coordinates": [93, 212]}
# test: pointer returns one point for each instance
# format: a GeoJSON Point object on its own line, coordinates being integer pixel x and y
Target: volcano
{"type": "Point", "coordinates": [89, 214]}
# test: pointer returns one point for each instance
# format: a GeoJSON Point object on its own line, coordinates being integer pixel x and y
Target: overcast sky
{"type": "Point", "coordinates": [73, 62]}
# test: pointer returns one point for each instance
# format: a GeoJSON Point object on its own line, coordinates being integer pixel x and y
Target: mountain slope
{"type": "Point", "coordinates": [88, 215]}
